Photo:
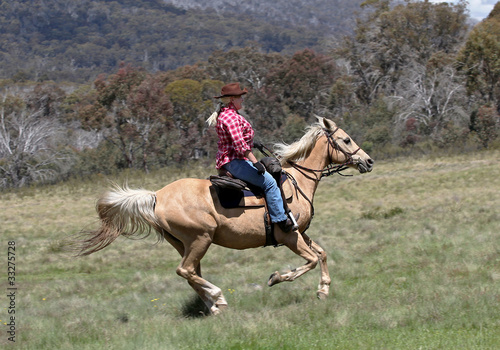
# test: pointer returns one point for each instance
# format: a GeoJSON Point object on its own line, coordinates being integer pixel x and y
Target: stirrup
{"type": "Point", "coordinates": [289, 224]}
{"type": "Point", "coordinates": [294, 220]}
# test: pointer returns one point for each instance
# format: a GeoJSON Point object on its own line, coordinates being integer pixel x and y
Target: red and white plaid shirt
{"type": "Point", "coordinates": [235, 136]}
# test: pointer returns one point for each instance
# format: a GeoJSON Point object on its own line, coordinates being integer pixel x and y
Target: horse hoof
{"type": "Point", "coordinates": [273, 279]}
{"type": "Point", "coordinates": [322, 295]}
{"type": "Point", "coordinates": [221, 307]}
{"type": "Point", "coordinates": [218, 308]}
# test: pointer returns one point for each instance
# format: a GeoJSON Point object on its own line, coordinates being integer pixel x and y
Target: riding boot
{"type": "Point", "coordinates": [288, 224]}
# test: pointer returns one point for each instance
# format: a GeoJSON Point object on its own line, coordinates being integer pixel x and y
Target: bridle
{"type": "Point", "coordinates": [330, 168]}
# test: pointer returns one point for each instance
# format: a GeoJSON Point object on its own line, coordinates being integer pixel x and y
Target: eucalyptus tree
{"type": "Point", "coordinates": [431, 98]}
{"type": "Point", "coordinates": [192, 103]}
{"type": "Point", "coordinates": [403, 53]}
{"type": "Point", "coordinates": [32, 143]}
{"type": "Point", "coordinates": [392, 38]}
{"type": "Point", "coordinates": [131, 110]}
{"type": "Point", "coordinates": [480, 60]}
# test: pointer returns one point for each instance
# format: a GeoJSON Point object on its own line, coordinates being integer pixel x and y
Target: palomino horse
{"type": "Point", "coordinates": [188, 214]}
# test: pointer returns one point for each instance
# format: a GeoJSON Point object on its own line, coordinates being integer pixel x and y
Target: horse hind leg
{"type": "Point", "coordinates": [296, 243]}
{"type": "Point", "coordinates": [179, 246]}
{"type": "Point", "coordinates": [189, 268]}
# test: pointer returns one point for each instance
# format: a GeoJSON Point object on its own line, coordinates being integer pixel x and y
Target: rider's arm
{"type": "Point", "coordinates": [250, 156]}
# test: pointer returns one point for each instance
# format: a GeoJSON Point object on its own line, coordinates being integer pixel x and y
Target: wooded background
{"type": "Point", "coordinates": [98, 86]}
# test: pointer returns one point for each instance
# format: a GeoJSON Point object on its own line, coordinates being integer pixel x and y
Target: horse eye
{"type": "Point", "coordinates": [347, 140]}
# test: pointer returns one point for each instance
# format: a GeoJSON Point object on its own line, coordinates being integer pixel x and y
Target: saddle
{"type": "Point", "coordinates": [235, 193]}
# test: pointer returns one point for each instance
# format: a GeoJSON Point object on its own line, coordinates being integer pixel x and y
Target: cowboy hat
{"type": "Point", "coordinates": [232, 89]}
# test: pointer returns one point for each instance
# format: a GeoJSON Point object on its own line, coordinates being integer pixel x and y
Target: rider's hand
{"type": "Point", "coordinates": [260, 168]}
{"type": "Point", "coordinates": [258, 145]}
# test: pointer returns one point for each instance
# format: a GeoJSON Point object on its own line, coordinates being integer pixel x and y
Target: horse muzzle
{"type": "Point", "coordinates": [365, 165]}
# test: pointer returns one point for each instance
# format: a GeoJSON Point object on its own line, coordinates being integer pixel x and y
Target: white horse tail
{"type": "Point", "coordinates": [122, 211]}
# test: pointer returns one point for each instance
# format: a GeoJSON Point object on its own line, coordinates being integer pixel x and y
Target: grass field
{"type": "Point", "coordinates": [413, 249]}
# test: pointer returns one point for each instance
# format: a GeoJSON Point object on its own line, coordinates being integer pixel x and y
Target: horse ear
{"type": "Point", "coordinates": [321, 120]}
{"type": "Point", "coordinates": [329, 124]}
{"type": "Point", "coordinates": [326, 123]}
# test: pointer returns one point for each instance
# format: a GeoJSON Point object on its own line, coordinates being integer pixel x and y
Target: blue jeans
{"type": "Point", "coordinates": [244, 170]}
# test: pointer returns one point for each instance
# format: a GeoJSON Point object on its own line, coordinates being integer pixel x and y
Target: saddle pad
{"type": "Point", "coordinates": [230, 198]}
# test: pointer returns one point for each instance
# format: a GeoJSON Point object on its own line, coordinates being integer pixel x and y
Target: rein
{"type": "Point", "coordinates": [297, 188]}
{"type": "Point", "coordinates": [329, 170]}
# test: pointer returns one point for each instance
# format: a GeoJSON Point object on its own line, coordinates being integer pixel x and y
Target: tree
{"type": "Point", "coordinates": [391, 39]}
{"type": "Point", "coordinates": [192, 104]}
{"type": "Point", "coordinates": [303, 82]}
{"type": "Point", "coordinates": [431, 97]}
{"type": "Point", "coordinates": [480, 60]}
{"type": "Point", "coordinates": [402, 57]}
{"type": "Point", "coordinates": [29, 144]}
{"type": "Point", "coordinates": [130, 108]}
{"type": "Point", "coordinates": [150, 109]}
{"type": "Point", "coordinates": [187, 100]}
{"type": "Point", "coordinates": [486, 123]}
{"type": "Point", "coordinates": [248, 66]}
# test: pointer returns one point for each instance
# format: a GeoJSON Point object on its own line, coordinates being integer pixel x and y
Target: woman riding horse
{"type": "Point", "coordinates": [235, 152]}
{"type": "Point", "coordinates": [187, 213]}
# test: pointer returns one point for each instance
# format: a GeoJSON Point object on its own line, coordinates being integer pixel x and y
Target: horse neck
{"type": "Point", "coordinates": [318, 159]}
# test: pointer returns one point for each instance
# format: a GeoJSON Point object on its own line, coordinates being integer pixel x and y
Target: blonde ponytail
{"type": "Point", "coordinates": [212, 120]}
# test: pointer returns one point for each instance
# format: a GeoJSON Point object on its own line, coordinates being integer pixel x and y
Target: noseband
{"type": "Point", "coordinates": [330, 168]}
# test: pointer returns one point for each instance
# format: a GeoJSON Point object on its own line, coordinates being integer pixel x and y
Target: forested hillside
{"type": "Point", "coordinates": [333, 17]}
{"type": "Point", "coordinates": [413, 78]}
{"type": "Point", "coordinates": [77, 39]}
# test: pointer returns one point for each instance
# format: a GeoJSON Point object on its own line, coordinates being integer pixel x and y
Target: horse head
{"type": "Point", "coordinates": [343, 150]}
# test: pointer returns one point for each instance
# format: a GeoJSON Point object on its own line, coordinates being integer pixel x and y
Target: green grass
{"type": "Point", "coordinates": [413, 248]}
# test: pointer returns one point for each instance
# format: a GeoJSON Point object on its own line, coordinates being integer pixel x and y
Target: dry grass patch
{"type": "Point", "coordinates": [413, 251]}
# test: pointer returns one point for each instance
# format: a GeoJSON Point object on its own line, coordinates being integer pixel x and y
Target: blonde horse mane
{"type": "Point", "coordinates": [300, 149]}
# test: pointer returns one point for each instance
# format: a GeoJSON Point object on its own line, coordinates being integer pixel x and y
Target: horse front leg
{"type": "Point", "coordinates": [324, 283]}
{"type": "Point", "coordinates": [295, 242]}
